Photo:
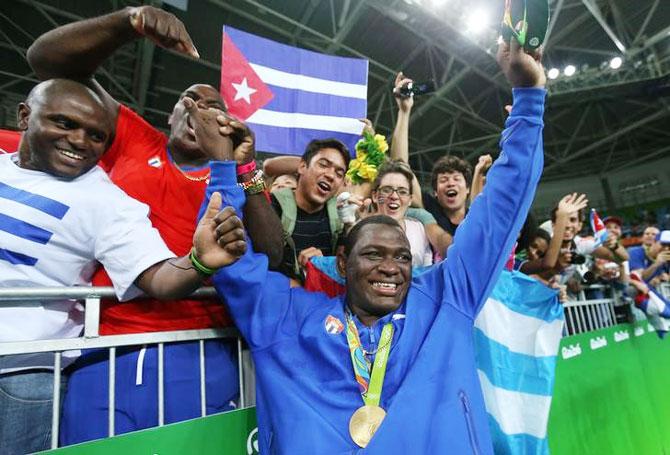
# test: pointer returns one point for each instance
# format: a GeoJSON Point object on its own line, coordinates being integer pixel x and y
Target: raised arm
{"type": "Point", "coordinates": [76, 50]}
{"type": "Point", "coordinates": [400, 137]}
{"type": "Point", "coordinates": [262, 223]}
{"type": "Point", "coordinates": [479, 176]}
{"type": "Point", "coordinates": [569, 204]}
{"type": "Point", "coordinates": [259, 300]}
{"type": "Point", "coordinates": [484, 240]}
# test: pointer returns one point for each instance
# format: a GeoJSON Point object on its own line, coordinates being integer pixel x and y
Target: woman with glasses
{"type": "Point", "coordinates": [392, 195]}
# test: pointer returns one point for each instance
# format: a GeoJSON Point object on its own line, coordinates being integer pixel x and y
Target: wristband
{"type": "Point", "coordinates": [246, 168]}
{"type": "Point", "coordinates": [199, 266]}
{"type": "Point", "coordinates": [254, 186]}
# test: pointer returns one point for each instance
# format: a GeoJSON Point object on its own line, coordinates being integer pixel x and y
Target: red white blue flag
{"type": "Point", "coordinates": [598, 228]}
{"type": "Point", "coordinates": [290, 96]}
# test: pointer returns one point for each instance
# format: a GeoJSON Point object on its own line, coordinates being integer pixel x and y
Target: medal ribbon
{"type": "Point", "coordinates": [370, 385]}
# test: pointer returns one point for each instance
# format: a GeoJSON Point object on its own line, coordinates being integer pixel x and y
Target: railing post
{"type": "Point", "coordinates": [243, 396]}
{"type": "Point", "coordinates": [203, 382]}
{"type": "Point", "coordinates": [111, 392]}
{"type": "Point", "coordinates": [161, 384]}
{"type": "Point", "coordinates": [92, 317]}
{"type": "Point", "coordinates": [55, 408]}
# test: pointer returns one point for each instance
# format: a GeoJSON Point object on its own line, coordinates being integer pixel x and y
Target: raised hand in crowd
{"type": "Point", "coordinates": [479, 175]}
{"type": "Point", "coordinates": [162, 28]}
{"type": "Point", "coordinates": [90, 42]}
{"type": "Point", "coordinates": [368, 127]}
{"type": "Point", "coordinates": [521, 68]}
{"type": "Point", "coordinates": [404, 102]}
{"type": "Point", "coordinates": [206, 130]}
{"type": "Point", "coordinates": [551, 261]}
{"type": "Point", "coordinates": [244, 141]}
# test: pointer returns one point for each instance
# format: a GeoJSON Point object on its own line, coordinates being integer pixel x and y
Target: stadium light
{"type": "Point", "coordinates": [569, 70]}
{"type": "Point", "coordinates": [616, 63]}
{"type": "Point", "coordinates": [553, 73]}
{"type": "Point", "coordinates": [477, 21]}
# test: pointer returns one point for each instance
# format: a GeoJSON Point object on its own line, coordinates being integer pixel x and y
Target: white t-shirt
{"type": "Point", "coordinates": [422, 255]}
{"type": "Point", "coordinates": [52, 233]}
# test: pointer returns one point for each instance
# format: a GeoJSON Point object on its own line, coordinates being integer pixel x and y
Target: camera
{"type": "Point", "coordinates": [417, 88]}
{"type": "Point", "coordinates": [586, 275]}
{"type": "Point", "coordinates": [577, 259]}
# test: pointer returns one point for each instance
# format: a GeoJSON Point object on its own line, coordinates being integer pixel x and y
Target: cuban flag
{"type": "Point", "coordinates": [290, 96]}
{"type": "Point", "coordinates": [598, 228]}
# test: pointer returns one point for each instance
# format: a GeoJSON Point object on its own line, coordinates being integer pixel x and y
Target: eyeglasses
{"type": "Point", "coordinates": [388, 190]}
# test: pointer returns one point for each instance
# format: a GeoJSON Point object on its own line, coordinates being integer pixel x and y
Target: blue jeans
{"type": "Point", "coordinates": [25, 411]}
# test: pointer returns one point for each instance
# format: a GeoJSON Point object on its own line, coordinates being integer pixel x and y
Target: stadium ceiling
{"type": "Point", "coordinates": [598, 120]}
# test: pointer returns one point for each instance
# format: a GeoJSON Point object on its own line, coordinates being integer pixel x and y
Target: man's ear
{"type": "Point", "coordinates": [341, 264]}
{"type": "Point", "coordinates": [302, 167]}
{"type": "Point", "coordinates": [22, 116]}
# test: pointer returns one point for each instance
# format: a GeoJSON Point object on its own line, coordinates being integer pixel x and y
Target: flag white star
{"type": "Point", "coordinates": [243, 91]}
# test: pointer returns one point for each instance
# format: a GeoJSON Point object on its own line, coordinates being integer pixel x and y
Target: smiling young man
{"type": "Point", "coordinates": [308, 214]}
{"type": "Point", "coordinates": [450, 177]}
{"type": "Point", "coordinates": [390, 365]}
{"type": "Point", "coordinates": [60, 215]}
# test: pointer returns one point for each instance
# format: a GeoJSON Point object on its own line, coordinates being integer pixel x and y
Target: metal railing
{"type": "Point", "coordinates": [585, 314]}
{"type": "Point", "coordinates": [91, 338]}
{"type": "Point", "coordinates": [582, 315]}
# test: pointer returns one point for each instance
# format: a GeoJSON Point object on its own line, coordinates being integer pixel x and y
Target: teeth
{"type": "Point", "coordinates": [324, 186]}
{"type": "Point", "coordinates": [379, 284]}
{"type": "Point", "coordinates": [393, 206]}
{"type": "Point", "coordinates": [72, 155]}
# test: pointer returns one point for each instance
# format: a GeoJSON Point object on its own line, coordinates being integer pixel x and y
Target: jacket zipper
{"type": "Point", "coordinates": [468, 421]}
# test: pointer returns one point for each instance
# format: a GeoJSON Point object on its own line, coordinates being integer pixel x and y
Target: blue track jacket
{"type": "Point", "coordinates": [306, 390]}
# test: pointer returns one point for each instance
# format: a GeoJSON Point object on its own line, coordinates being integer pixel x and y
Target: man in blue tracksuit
{"type": "Point", "coordinates": [308, 384]}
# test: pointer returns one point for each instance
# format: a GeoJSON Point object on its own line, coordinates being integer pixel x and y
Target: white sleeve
{"type": "Point", "coordinates": [127, 244]}
{"type": "Point", "coordinates": [585, 245]}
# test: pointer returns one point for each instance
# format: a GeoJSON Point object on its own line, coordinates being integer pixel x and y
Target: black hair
{"type": "Point", "coordinates": [542, 234]}
{"type": "Point", "coordinates": [316, 145]}
{"type": "Point", "coordinates": [527, 233]}
{"type": "Point", "coordinates": [352, 237]}
{"type": "Point", "coordinates": [448, 164]}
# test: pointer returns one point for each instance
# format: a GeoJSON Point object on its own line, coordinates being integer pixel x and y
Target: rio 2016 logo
{"type": "Point", "coordinates": [252, 442]}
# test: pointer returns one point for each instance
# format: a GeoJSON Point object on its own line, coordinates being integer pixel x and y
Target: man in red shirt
{"type": "Point", "coordinates": [169, 174]}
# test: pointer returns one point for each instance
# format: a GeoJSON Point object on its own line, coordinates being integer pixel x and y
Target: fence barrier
{"type": "Point", "coordinates": [92, 339]}
{"type": "Point", "coordinates": [582, 315]}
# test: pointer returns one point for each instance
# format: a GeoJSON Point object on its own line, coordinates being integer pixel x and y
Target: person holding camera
{"type": "Point", "coordinates": [652, 264]}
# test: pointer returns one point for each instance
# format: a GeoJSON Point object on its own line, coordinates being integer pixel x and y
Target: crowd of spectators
{"type": "Point", "coordinates": [80, 145]}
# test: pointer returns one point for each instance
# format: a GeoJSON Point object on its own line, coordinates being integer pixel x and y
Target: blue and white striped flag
{"type": "Point", "coordinates": [517, 336]}
{"type": "Point", "coordinates": [289, 95]}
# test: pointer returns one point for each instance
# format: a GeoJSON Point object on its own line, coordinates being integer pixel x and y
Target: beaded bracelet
{"type": "Point", "coordinates": [255, 185]}
{"type": "Point", "coordinates": [199, 266]}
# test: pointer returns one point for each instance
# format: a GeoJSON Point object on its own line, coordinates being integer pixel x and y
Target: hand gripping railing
{"type": "Point", "coordinates": [12, 297]}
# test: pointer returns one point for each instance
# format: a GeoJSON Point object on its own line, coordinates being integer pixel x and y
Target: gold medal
{"type": "Point", "coordinates": [364, 423]}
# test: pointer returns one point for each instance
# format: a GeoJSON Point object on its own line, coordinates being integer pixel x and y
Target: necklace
{"type": "Point", "coordinates": [193, 179]}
